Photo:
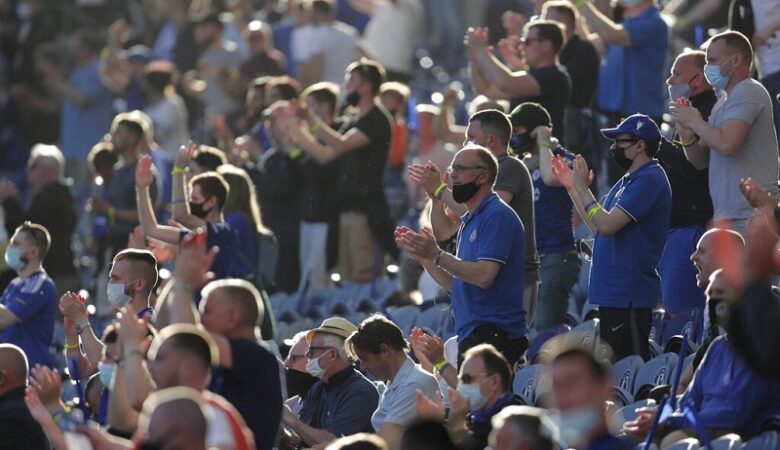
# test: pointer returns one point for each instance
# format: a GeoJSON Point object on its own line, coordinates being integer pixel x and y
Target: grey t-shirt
{"type": "Point", "coordinates": [213, 65]}
{"type": "Point", "coordinates": [514, 177]}
{"type": "Point", "coordinates": [749, 102]}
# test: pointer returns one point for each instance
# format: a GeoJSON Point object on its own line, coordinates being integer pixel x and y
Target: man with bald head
{"type": "Point", "coordinates": [691, 202]}
{"type": "Point", "coordinates": [175, 419]}
{"type": "Point", "coordinates": [18, 429]}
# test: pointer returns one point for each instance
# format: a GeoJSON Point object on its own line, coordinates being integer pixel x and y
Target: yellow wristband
{"type": "Point", "coordinates": [315, 127]}
{"type": "Point", "coordinates": [111, 214]}
{"type": "Point", "coordinates": [593, 211]}
{"type": "Point", "coordinates": [441, 365]}
{"type": "Point", "coordinates": [295, 153]}
{"type": "Point", "coordinates": [437, 193]}
{"type": "Point", "coordinates": [71, 346]}
{"type": "Point", "coordinates": [579, 3]}
{"type": "Point", "coordinates": [178, 170]}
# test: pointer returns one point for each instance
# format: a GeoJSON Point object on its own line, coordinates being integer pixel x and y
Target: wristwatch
{"type": "Point", "coordinates": [81, 326]}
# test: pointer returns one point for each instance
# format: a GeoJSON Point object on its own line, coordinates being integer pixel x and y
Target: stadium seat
{"type": "Point", "coordinates": [657, 327]}
{"type": "Point", "coordinates": [688, 360]}
{"type": "Point", "coordinates": [432, 319]}
{"type": "Point", "coordinates": [649, 447]}
{"type": "Point", "coordinates": [405, 317]}
{"type": "Point", "coordinates": [730, 441]}
{"type": "Point", "coordinates": [655, 348]}
{"type": "Point", "coordinates": [584, 334]}
{"type": "Point", "coordinates": [589, 311]}
{"type": "Point", "coordinates": [627, 414]}
{"type": "Point", "coordinates": [542, 337]}
{"type": "Point", "coordinates": [677, 326]}
{"type": "Point", "coordinates": [653, 373]}
{"type": "Point", "coordinates": [525, 382]}
{"type": "Point", "coordinates": [767, 440]}
{"type": "Point", "coordinates": [624, 373]}
{"type": "Point", "coordinates": [685, 444]}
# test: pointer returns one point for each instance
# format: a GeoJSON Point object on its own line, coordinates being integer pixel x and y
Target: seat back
{"type": "Point", "coordinates": [767, 440]}
{"type": "Point", "coordinates": [584, 334]}
{"type": "Point", "coordinates": [677, 326]}
{"type": "Point", "coordinates": [525, 382]}
{"type": "Point", "coordinates": [405, 317]}
{"type": "Point", "coordinates": [731, 441]}
{"type": "Point", "coordinates": [655, 372]}
{"type": "Point", "coordinates": [685, 444]}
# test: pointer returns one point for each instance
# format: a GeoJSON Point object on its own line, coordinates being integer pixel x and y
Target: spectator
{"type": "Point", "coordinates": [631, 78]}
{"type": "Point", "coordinates": [18, 429]}
{"type": "Point", "coordinates": [205, 159]}
{"type": "Point", "coordinates": [521, 427]}
{"type": "Point", "coordinates": [360, 441]}
{"type": "Point", "coordinates": [166, 109]}
{"type": "Point", "coordinates": [29, 304]}
{"type": "Point", "coordinates": [559, 262]}
{"type": "Point", "coordinates": [766, 15]}
{"type": "Point", "coordinates": [342, 401]}
{"type": "Point", "coordinates": [334, 46]}
{"type": "Point", "coordinates": [298, 379]}
{"type": "Point", "coordinates": [739, 140]}
{"type": "Point", "coordinates": [394, 97]}
{"type": "Point", "coordinates": [264, 59]}
{"type": "Point", "coordinates": [426, 435]}
{"type": "Point", "coordinates": [101, 161]}
{"type": "Point", "coordinates": [87, 109]}
{"type": "Point", "coordinates": [545, 82]}
{"type": "Point", "coordinates": [361, 148]}
{"type": "Point", "coordinates": [630, 229]}
{"type": "Point", "coordinates": [380, 347]}
{"type": "Point", "coordinates": [691, 202]}
{"type": "Point", "coordinates": [581, 385]}
{"type": "Point", "coordinates": [123, 70]}
{"type": "Point", "coordinates": [230, 311]}
{"type": "Point", "coordinates": [484, 277]}
{"type": "Point", "coordinates": [51, 206]}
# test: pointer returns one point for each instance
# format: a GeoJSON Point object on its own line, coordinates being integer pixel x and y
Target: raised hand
{"type": "Point", "coordinates": [143, 172]}
{"type": "Point", "coordinates": [563, 172]}
{"type": "Point", "coordinates": [194, 261]}
{"type": "Point", "coordinates": [73, 307]}
{"type": "Point", "coordinates": [429, 409]}
{"type": "Point", "coordinates": [476, 39]}
{"type": "Point", "coordinates": [582, 174]}
{"type": "Point", "coordinates": [130, 329]}
{"type": "Point", "coordinates": [48, 386]}
{"type": "Point", "coordinates": [184, 155]}
{"type": "Point", "coordinates": [427, 176]}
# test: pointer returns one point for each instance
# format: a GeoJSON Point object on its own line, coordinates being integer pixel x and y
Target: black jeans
{"type": "Point", "coordinates": [488, 333]}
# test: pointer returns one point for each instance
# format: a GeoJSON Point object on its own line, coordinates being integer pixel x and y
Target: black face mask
{"type": "Point", "coordinates": [520, 140]}
{"type": "Point", "coordinates": [197, 210]}
{"type": "Point", "coordinates": [353, 98]}
{"type": "Point", "coordinates": [462, 193]}
{"type": "Point", "coordinates": [619, 156]}
{"type": "Point", "coordinates": [298, 383]}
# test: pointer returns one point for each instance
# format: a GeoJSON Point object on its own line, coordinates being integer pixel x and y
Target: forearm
{"type": "Point", "coordinates": [310, 435]}
{"type": "Point", "coordinates": [579, 205]}
{"type": "Point", "coordinates": [322, 153]}
{"type": "Point", "coordinates": [149, 223]}
{"type": "Point", "coordinates": [55, 435]}
{"type": "Point", "coordinates": [714, 138]}
{"type": "Point", "coordinates": [604, 222]}
{"type": "Point", "coordinates": [138, 380]}
{"type": "Point", "coordinates": [73, 353]}
{"type": "Point", "coordinates": [494, 70]}
{"type": "Point", "coordinates": [448, 130]}
{"type": "Point", "coordinates": [121, 415]}
{"type": "Point", "coordinates": [7, 318]}
{"type": "Point", "coordinates": [600, 24]}
{"type": "Point", "coordinates": [181, 209]}
{"type": "Point", "coordinates": [182, 309]}
{"type": "Point", "coordinates": [443, 227]}
{"type": "Point", "coordinates": [477, 273]}
{"type": "Point", "coordinates": [480, 83]}
{"type": "Point", "coordinates": [92, 346]}
{"type": "Point", "coordinates": [439, 275]}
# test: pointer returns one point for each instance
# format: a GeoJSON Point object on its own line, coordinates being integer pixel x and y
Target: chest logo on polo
{"type": "Point", "coordinates": [473, 236]}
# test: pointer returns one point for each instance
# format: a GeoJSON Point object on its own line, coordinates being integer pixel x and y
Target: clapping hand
{"type": "Point", "coordinates": [421, 246]}
{"type": "Point", "coordinates": [194, 261]}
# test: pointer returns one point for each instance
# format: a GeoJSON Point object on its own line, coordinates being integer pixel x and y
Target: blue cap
{"type": "Point", "coordinates": [638, 125]}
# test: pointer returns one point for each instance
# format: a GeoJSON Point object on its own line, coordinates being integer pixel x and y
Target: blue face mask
{"type": "Point", "coordinates": [715, 78]}
{"type": "Point", "coordinates": [13, 257]}
{"type": "Point", "coordinates": [106, 373]}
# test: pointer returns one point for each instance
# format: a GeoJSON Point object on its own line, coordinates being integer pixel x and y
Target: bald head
{"type": "Point", "coordinates": [688, 69]}
{"type": "Point", "coordinates": [13, 367]}
{"type": "Point", "coordinates": [705, 259]}
{"type": "Point", "coordinates": [176, 419]}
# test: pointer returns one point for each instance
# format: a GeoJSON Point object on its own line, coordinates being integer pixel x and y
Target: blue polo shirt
{"type": "Point", "coordinates": [624, 264]}
{"type": "Point", "coordinates": [632, 78]}
{"type": "Point", "coordinates": [552, 213]}
{"type": "Point", "coordinates": [226, 264]}
{"type": "Point", "coordinates": [492, 232]}
{"type": "Point", "coordinates": [34, 302]}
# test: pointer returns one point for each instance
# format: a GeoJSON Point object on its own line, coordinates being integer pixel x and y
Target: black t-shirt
{"type": "Point", "coordinates": [555, 90]}
{"type": "Point", "coordinates": [318, 183]}
{"type": "Point", "coordinates": [582, 62]}
{"type": "Point", "coordinates": [252, 385]}
{"type": "Point", "coordinates": [18, 429]}
{"type": "Point", "coordinates": [362, 170]}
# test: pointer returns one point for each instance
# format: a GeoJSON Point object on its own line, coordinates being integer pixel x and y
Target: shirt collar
{"type": "Point", "coordinates": [484, 415]}
{"type": "Point", "coordinates": [338, 378]}
{"type": "Point", "coordinates": [646, 166]}
{"type": "Point", "coordinates": [482, 205]}
{"type": "Point", "coordinates": [406, 368]}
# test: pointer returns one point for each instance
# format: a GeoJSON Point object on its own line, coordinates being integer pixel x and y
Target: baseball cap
{"type": "Point", "coordinates": [530, 115]}
{"type": "Point", "coordinates": [637, 125]}
{"type": "Point", "coordinates": [333, 325]}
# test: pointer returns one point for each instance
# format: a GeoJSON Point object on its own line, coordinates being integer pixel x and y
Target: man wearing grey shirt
{"type": "Point", "coordinates": [740, 139]}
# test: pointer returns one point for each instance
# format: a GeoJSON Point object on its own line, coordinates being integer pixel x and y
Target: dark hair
{"type": "Point", "coordinates": [209, 157]}
{"type": "Point", "coordinates": [213, 185]}
{"type": "Point", "coordinates": [651, 148]}
{"type": "Point", "coordinates": [369, 70]}
{"type": "Point", "coordinates": [324, 92]}
{"type": "Point", "coordinates": [133, 126]}
{"type": "Point", "coordinates": [212, 18]}
{"type": "Point", "coordinates": [289, 88]}
{"type": "Point", "coordinates": [101, 155]}
{"type": "Point", "coordinates": [193, 344]}
{"type": "Point", "coordinates": [149, 267]}
{"type": "Point", "coordinates": [494, 122]}
{"type": "Point", "coordinates": [737, 42]}
{"type": "Point", "coordinates": [241, 294]}
{"type": "Point", "coordinates": [530, 424]}
{"type": "Point", "coordinates": [372, 333]}
{"type": "Point", "coordinates": [494, 362]}
{"type": "Point", "coordinates": [158, 76]}
{"type": "Point", "coordinates": [427, 435]}
{"type": "Point", "coordinates": [39, 234]}
{"type": "Point", "coordinates": [566, 9]}
{"type": "Point", "coordinates": [322, 7]}
{"type": "Point", "coordinates": [699, 57]}
{"type": "Point", "coordinates": [242, 197]}
{"type": "Point", "coordinates": [550, 31]}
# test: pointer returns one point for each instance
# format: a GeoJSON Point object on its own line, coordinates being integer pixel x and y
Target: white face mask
{"type": "Point", "coordinates": [575, 425]}
{"type": "Point", "coordinates": [473, 393]}
{"type": "Point", "coordinates": [313, 367]}
{"type": "Point", "coordinates": [117, 296]}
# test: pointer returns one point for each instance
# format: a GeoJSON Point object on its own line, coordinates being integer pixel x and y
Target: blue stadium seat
{"type": "Point", "coordinates": [525, 382]}
{"type": "Point", "coordinates": [589, 311]}
{"type": "Point", "coordinates": [542, 337]}
{"type": "Point", "coordinates": [677, 326]}
{"type": "Point", "coordinates": [767, 440]}
{"type": "Point", "coordinates": [655, 348]}
{"type": "Point", "coordinates": [624, 373]}
{"type": "Point", "coordinates": [688, 360]}
{"type": "Point", "coordinates": [649, 447]}
{"type": "Point", "coordinates": [730, 441]}
{"type": "Point", "coordinates": [657, 327]}
{"type": "Point", "coordinates": [405, 317]}
{"type": "Point", "coordinates": [584, 334]}
{"type": "Point", "coordinates": [653, 373]}
{"type": "Point", "coordinates": [685, 444]}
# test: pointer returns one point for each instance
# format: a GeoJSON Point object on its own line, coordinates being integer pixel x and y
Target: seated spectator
{"type": "Point", "coordinates": [297, 377]}
{"type": "Point", "coordinates": [522, 427]}
{"type": "Point", "coordinates": [381, 349]}
{"type": "Point", "coordinates": [18, 429]}
{"type": "Point", "coordinates": [360, 441]}
{"type": "Point", "coordinates": [28, 306]}
{"type": "Point", "coordinates": [342, 401]}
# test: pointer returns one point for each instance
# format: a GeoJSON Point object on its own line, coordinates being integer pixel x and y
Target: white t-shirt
{"type": "Point", "coordinates": [169, 117]}
{"type": "Point", "coordinates": [337, 42]}
{"type": "Point", "coordinates": [766, 12]}
{"type": "Point", "coordinates": [392, 33]}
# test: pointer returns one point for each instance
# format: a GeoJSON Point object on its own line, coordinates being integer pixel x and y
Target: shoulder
{"type": "Point", "coordinates": [247, 348]}
{"type": "Point", "coordinates": [38, 282]}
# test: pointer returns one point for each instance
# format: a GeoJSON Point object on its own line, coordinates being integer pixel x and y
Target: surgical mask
{"type": "Point", "coordinates": [116, 295]}
{"type": "Point", "coordinates": [619, 156]}
{"type": "Point", "coordinates": [106, 373]}
{"type": "Point", "coordinates": [473, 394]}
{"type": "Point", "coordinates": [353, 98]}
{"type": "Point", "coordinates": [298, 383]}
{"type": "Point", "coordinates": [679, 90]}
{"type": "Point", "coordinates": [576, 425]}
{"type": "Point", "coordinates": [13, 257]}
{"type": "Point", "coordinates": [715, 78]}
{"type": "Point", "coordinates": [197, 210]}
{"type": "Point", "coordinates": [313, 367]}
{"type": "Point", "coordinates": [462, 193]}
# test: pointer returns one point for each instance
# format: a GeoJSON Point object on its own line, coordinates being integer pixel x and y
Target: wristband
{"type": "Point", "coordinates": [593, 211]}
{"type": "Point", "coordinates": [315, 127]}
{"type": "Point", "coordinates": [437, 258]}
{"type": "Point", "coordinates": [688, 143]}
{"type": "Point", "coordinates": [590, 205]}
{"type": "Point", "coordinates": [71, 346]}
{"type": "Point", "coordinates": [111, 214]}
{"type": "Point", "coordinates": [440, 190]}
{"type": "Point", "coordinates": [126, 355]}
{"type": "Point", "coordinates": [544, 144]}
{"type": "Point", "coordinates": [178, 170]}
{"type": "Point", "coordinates": [295, 153]}
{"type": "Point", "coordinates": [441, 365]}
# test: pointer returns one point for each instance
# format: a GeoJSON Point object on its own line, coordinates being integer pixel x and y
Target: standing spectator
{"type": "Point", "coordinates": [485, 276]}
{"type": "Point", "coordinates": [739, 139]}
{"type": "Point", "coordinates": [87, 110]}
{"type": "Point", "coordinates": [380, 347]}
{"type": "Point", "coordinates": [334, 46]}
{"type": "Point", "coordinates": [264, 59]}
{"type": "Point", "coordinates": [766, 42]}
{"type": "Point", "coordinates": [545, 82]}
{"type": "Point", "coordinates": [361, 148]}
{"type": "Point", "coordinates": [166, 109]}
{"type": "Point", "coordinates": [402, 19]}
{"type": "Point", "coordinates": [631, 78]}
{"type": "Point", "coordinates": [29, 304]}
{"type": "Point", "coordinates": [691, 202]}
{"type": "Point", "coordinates": [51, 206]}
{"type": "Point", "coordinates": [559, 262]}
{"type": "Point", "coordinates": [18, 429]}
{"type": "Point", "coordinates": [394, 96]}
{"type": "Point", "coordinates": [630, 229]}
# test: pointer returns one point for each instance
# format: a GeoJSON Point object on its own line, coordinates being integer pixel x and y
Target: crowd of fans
{"type": "Point", "coordinates": [168, 165]}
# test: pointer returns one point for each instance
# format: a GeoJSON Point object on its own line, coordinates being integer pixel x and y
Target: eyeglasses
{"type": "Point", "coordinates": [457, 168]}
{"type": "Point", "coordinates": [310, 352]}
{"type": "Point", "coordinates": [292, 358]}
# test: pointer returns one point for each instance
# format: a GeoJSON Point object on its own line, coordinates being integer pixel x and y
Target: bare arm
{"type": "Point", "coordinates": [152, 229]}
{"type": "Point", "coordinates": [7, 318]}
{"type": "Point", "coordinates": [179, 199]}
{"type": "Point", "coordinates": [448, 131]}
{"type": "Point", "coordinates": [443, 227]}
{"type": "Point", "coordinates": [121, 415]}
{"type": "Point", "coordinates": [517, 84]}
{"type": "Point", "coordinates": [310, 435]}
{"type": "Point", "coordinates": [335, 144]}
{"type": "Point", "coordinates": [480, 83]}
{"type": "Point", "coordinates": [392, 434]}
{"type": "Point", "coordinates": [481, 273]}
{"type": "Point", "coordinates": [609, 31]}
